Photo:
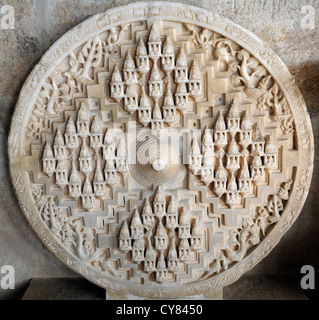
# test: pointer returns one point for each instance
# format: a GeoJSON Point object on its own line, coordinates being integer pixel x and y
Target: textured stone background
{"type": "Point", "coordinates": [39, 23]}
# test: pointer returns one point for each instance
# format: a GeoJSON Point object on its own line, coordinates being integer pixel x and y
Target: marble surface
{"type": "Point", "coordinates": [247, 288]}
{"type": "Point", "coordinates": [40, 23]}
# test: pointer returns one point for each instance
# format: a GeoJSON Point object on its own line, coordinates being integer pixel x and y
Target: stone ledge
{"type": "Point", "coordinates": [63, 289]}
{"type": "Point", "coordinates": [246, 288]}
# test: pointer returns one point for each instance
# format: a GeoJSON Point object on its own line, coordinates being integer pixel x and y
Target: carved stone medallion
{"type": "Point", "coordinates": [160, 150]}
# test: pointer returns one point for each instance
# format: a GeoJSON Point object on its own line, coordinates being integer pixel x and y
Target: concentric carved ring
{"type": "Point", "coordinates": [155, 162]}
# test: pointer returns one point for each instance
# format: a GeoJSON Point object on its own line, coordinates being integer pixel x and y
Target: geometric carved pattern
{"type": "Point", "coordinates": [176, 229]}
{"type": "Point", "coordinates": [242, 154]}
{"type": "Point", "coordinates": [150, 80]}
{"type": "Point", "coordinates": [160, 156]}
{"type": "Point", "coordinates": [78, 165]}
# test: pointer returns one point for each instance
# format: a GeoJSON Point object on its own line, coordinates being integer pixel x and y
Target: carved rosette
{"type": "Point", "coordinates": [160, 150]}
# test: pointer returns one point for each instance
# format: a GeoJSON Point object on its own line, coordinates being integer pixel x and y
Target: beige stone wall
{"type": "Point", "coordinates": [39, 23]}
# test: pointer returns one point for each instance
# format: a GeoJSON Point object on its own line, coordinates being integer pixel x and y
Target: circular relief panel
{"type": "Point", "coordinates": [160, 150]}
